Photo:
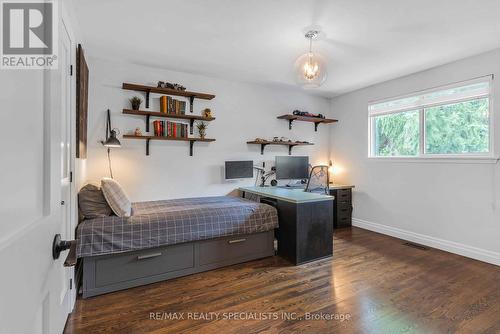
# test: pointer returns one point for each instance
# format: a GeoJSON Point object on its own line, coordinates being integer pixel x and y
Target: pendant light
{"type": "Point", "coordinates": [310, 68]}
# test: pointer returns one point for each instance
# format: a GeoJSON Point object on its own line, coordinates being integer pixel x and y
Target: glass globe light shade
{"type": "Point", "coordinates": [310, 70]}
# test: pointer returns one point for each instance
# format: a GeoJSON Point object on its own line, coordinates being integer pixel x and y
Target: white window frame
{"type": "Point", "coordinates": [420, 107]}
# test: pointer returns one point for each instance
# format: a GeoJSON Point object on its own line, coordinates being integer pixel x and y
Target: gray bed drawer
{"type": "Point", "coordinates": [128, 266]}
{"type": "Point", "coordinates": [218, 250]}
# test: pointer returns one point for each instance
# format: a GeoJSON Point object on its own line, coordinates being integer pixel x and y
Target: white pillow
{"type": "Point", "coordinates": [116, 197]}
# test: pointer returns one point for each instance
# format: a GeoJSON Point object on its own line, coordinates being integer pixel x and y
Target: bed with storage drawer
{"type": "Point", "coordinates": [172, 238]}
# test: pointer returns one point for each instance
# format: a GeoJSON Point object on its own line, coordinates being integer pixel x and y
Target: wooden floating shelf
{"type": "Point", "coordinates": [167, 91]}
{"type": "Point", "coordinates": [168, 138]}
{"type": "Point", "coordinates": [191, 140]}
{"type": "Point", "coordinates": [315, 120]}
{"type": "Point", "coordinates": [290, 145]}
{"type": "Point", "coordinates": [149, 114]}
{"type": "Point", "coordinates": [165, 115]}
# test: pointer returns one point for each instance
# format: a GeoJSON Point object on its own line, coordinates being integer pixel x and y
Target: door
{"type": "Point", "coordinates": [34, 296]}
{"type": "Point", "coordinates": [67, 158]}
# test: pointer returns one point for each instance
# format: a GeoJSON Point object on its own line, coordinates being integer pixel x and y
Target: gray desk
{"type": "Point", "coordinates": [305, 222]}
{"type": "Point", "coordinates": [293, 195]}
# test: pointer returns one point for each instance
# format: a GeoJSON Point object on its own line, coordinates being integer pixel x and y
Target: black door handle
{"type": "Point", "coordinates": [58, 246]}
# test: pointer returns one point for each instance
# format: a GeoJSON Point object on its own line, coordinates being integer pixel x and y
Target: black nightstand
{"type": "Point", "coordinates": [342, 205]}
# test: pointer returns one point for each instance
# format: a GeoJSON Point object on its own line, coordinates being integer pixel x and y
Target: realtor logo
{"type": "Point", "coordinates": [29, 35]}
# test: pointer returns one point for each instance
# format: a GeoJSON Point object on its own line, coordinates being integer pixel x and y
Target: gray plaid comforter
{"type": "Point", "coordinates": [161, 223]}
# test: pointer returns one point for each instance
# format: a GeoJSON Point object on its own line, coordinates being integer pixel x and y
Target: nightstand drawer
{"type": "Point", "coordinates": [344, 211]}
{"type": "Point", "coordinates": [343, 204]}
{"type": "Point", "coordinates": [344, 221]}
{"type": "Point", "coordinates": [344, 195]}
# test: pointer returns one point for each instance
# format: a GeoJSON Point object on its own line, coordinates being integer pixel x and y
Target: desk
{"type": "Point", "coordinates": [305, 222]}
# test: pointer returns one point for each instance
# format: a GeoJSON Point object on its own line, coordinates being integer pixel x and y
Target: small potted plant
{"type": "Point", "coordinates": [136, 102]}
{"type": "Point", "coordinates": [202, 128]}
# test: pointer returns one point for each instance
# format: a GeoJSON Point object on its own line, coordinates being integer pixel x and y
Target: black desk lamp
{"type": "Point", "coordinates": [330, 171]}
{"type": "Point", "coordinates": [111, 140]}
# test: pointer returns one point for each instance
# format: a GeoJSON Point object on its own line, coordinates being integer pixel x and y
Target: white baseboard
{"type": "Point", "coordinates": [445, 245]}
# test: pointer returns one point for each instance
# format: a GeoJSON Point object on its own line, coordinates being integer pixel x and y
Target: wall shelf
{"type": "Point", "coordinates": [315, 120]}
{"type": "Point", "coordinates": [149, 138]}
{"type": "Point", "coordinates": [167, 91]}
{"type": "Point", "coordinates": [264, 143]}
{"type": "Point", "coordinates": [158, 114]}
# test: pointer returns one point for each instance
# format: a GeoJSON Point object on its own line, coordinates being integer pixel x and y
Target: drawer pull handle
{"type": "Point", "coordinates": [148, 256]}
{"type": "Point", "coordinates": [235, 241]}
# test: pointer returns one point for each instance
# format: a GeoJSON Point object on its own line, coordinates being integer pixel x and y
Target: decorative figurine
{"type": "Point", "coordinates": [307, 114]}
{"type": "Point", "coordinates": [207, 112]}
{"type": "Point", "coordinates": [169, 85]}
{"type": "Point", "coordinates": [179, 87]}
{"type": "Point", "coordinates": [137, 132]}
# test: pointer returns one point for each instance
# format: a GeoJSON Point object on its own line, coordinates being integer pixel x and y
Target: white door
{"type": "Point", "coordinates": [33, 287]}
{"type": "Point", "coordinates": [67, 148]}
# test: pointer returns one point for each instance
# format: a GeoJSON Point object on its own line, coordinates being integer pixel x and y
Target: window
{"type": "Point", "coordinates": [447, 122]}
{"type": "Point", "coordinates": [397, 134]}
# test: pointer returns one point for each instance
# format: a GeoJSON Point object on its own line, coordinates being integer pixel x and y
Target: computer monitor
{"type": "Point", "coordinates": [239, 169]}
{"type": "Point", "coordinates": [293, 168]}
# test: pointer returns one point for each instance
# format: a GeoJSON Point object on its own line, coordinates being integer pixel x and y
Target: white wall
{"type": "Point", "coordinates": [450, 205]}
{"type": "Point", "coordinates": [243, 111]}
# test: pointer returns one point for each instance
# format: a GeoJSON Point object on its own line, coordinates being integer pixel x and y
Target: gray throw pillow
{"type": "Point", "coordinates": [92, 203]}
{"type": "Point", "coordinates": [116, 197]}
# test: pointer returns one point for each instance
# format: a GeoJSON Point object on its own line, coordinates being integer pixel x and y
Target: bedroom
{"type": "Point", "coordinates": [379, 210]}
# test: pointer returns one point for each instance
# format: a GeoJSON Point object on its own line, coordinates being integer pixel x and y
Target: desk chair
{"type": "Point", "coordinates": [318, 181]}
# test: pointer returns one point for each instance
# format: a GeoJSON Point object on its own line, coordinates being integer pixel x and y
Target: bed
{"type": "Point", "coordinates": [172, 238]}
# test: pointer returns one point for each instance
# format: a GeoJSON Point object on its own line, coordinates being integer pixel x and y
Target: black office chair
{"type": "Point", "coordinates": [318, 181]}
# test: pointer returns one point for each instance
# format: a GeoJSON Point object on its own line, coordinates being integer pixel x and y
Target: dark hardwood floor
{"type": "Point", "coordinates": [374, 282]}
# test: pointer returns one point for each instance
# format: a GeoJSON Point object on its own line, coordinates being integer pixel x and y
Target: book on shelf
{"type": "Point", "coordinates": [183, 107]}
{"type": "Point", "coordinates": [170, 129]}
{"type": "Point", "coordinates": [169, 105]}
{"type": "Point", "coordinates": [163, 104]}
{"type": "Point", "coordinates": [180, 107]}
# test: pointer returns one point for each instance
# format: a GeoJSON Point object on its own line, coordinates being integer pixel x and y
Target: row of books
{"type": "Point", "coordinates": [170, 105]}
{"type": "Point", "coordinates": [170, 129]}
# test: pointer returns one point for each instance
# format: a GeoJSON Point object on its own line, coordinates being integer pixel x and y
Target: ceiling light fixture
{"type": "Point", "coordinates": [310, 68]}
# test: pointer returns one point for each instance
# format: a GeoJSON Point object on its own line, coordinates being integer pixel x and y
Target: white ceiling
{"type": "Point", "coordinates": [364, 41]}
